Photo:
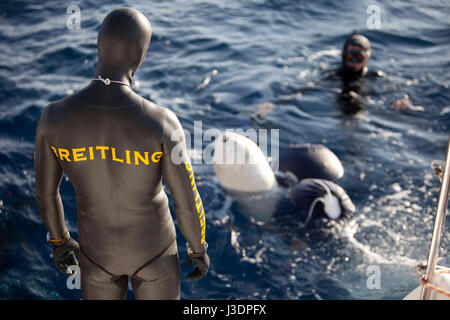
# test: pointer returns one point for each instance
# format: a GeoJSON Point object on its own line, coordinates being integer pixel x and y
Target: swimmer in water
{"type": "Point", "coordinates": [116, 147]}
{"type": "Point", "coordinates": [353, 71]}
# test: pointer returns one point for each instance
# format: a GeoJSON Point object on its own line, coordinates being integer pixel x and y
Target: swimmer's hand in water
{"type": "Point", "coordinates": [65, 256]}
{"type": "Point", "coordinates": [405, 104]}
{"type": "Point", "coordinates": [201, 261]}
{"type": "Point", "coordinates": [353, 98]}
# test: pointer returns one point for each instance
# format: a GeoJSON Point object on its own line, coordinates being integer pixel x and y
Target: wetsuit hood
{"type": "Point", "coordinates": [362, 42]}
{"type": "Point", "coordinates": [123, 38]}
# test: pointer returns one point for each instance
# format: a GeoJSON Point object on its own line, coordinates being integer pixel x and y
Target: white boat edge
{"type": "Point", "coordinates": [440, 280]}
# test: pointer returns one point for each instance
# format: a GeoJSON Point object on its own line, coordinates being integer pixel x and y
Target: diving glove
{"type": "Point", "coordinates": [64, 255]}
{"type": "Point", "coordinates": [201, 260]}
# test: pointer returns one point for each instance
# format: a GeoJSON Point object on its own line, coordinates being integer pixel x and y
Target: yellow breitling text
{"type": "Point", "coordinates": [132, 157]}
{"type": "Point", "coordinates": [198, 202]}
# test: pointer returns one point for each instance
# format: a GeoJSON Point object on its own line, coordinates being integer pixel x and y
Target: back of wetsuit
{"type": "Point", "coordinates": [115, 147]}
{"type": "Point", "coordinates": [115, 154]}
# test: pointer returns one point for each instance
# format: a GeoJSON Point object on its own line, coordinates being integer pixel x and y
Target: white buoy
{"type": "Point", "coordinates": [243, 170]}
{"type": "Point", "coordinates": [241, 166]}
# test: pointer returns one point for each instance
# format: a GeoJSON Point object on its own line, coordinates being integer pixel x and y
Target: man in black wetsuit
{"type": "Point", "coordinates": [355, 56]}
{"type": "Point", "coordinates": [115, 147]}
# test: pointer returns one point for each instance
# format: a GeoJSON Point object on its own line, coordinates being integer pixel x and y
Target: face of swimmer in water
{"type": "Point", "coordinates": [356, 54]}
{"type": "Point", "coordinates": [354, 58]}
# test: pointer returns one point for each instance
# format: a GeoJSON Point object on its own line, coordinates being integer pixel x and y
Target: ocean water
{"type": "Point", "coordinates": [215, 62]}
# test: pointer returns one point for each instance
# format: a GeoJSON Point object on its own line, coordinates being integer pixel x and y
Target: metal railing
{"type": "Point", "coordinates": [439, 223]}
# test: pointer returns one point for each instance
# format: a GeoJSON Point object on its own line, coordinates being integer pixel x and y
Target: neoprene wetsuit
{"type": "Point", "coordinates": [115, 147]}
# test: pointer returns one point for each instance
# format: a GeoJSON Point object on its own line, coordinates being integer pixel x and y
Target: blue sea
{"type": "Point", "coordinates": [217, 62]}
